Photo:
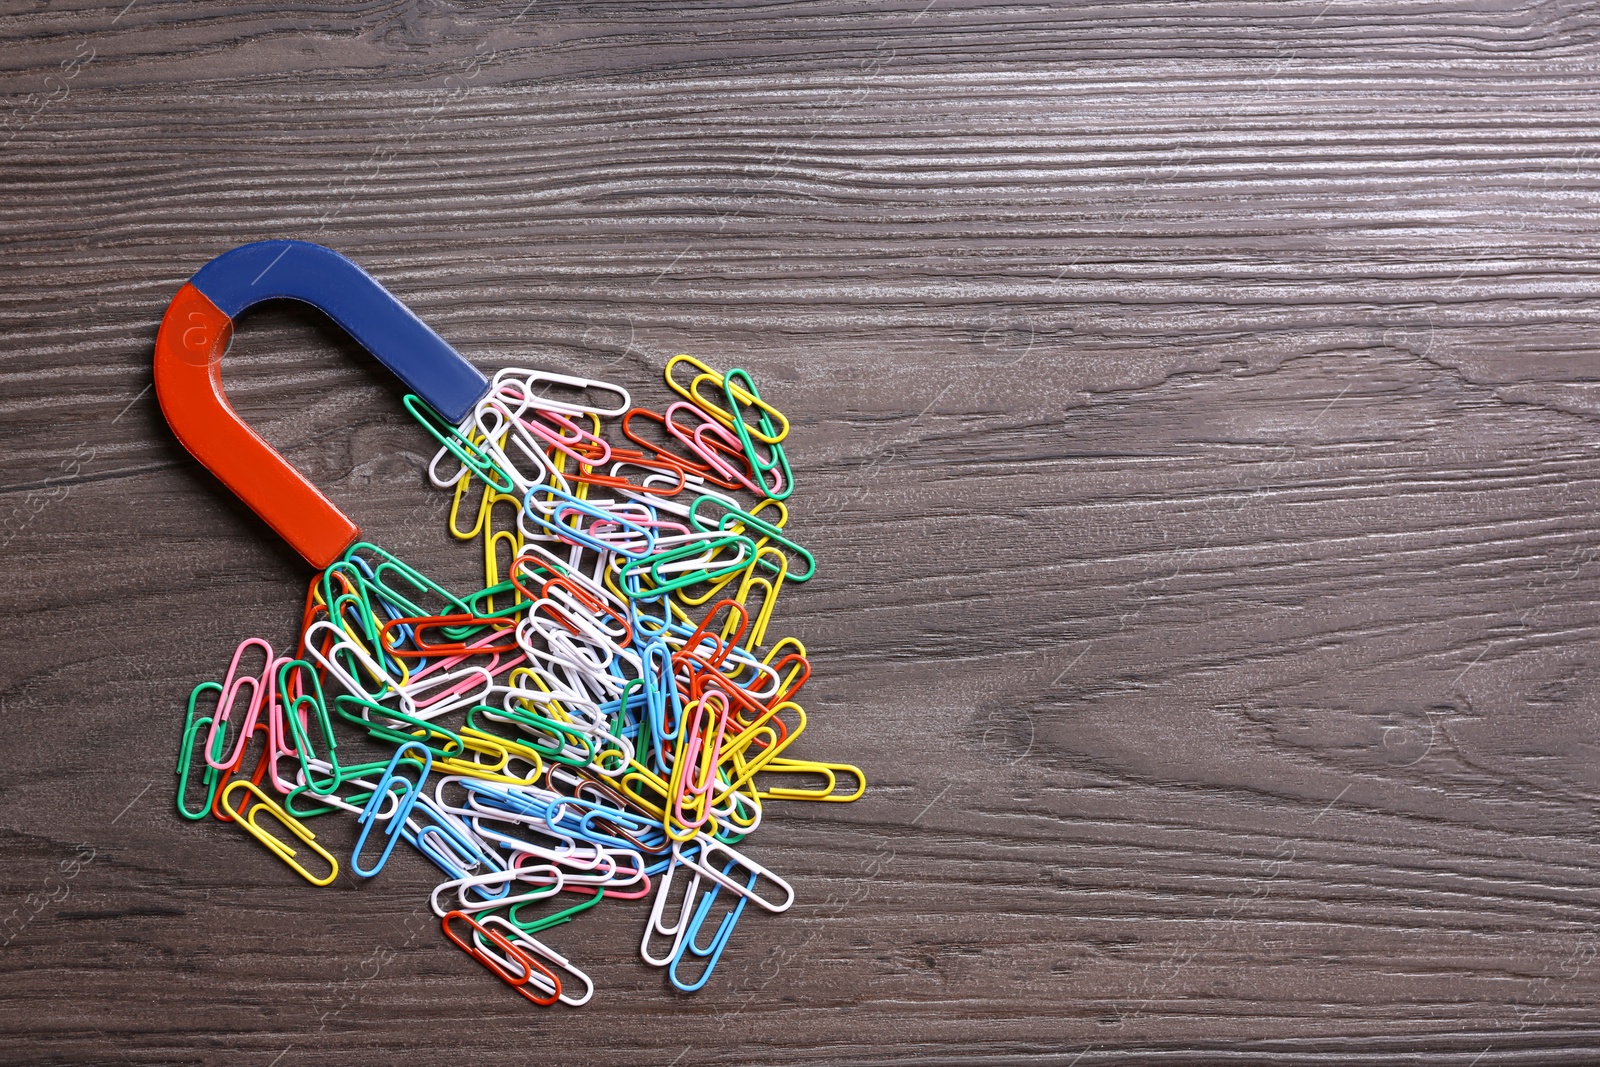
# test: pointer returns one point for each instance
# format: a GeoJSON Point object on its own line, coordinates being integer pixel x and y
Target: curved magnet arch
{"type": "Point", "coordinates": [196, 330]}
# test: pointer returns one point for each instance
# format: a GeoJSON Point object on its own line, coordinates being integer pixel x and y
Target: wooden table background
{"type": "Point", "coordinates": [1195, 422]}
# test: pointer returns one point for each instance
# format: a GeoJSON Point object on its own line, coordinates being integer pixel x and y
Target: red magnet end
{"type": "Point", "coordinates": [188, 372]}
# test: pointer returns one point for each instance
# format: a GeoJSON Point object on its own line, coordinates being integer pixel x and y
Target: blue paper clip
{"type": "Point", "coordinates": [439, 839]}
{"type": "Point", "coordinates": [397, 821]}
{"type": "Point", "coordinates": [659, 688]}
{"type": "Point", "coordinates": [651, 836]}
{"type": "Point", "coordinates": [566, 502]}
{"type": "Point", "coordinates": [713, 952]}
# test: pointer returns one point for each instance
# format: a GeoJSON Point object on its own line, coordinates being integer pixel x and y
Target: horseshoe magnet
{"type": "Point", "coordinates": [195, 332]}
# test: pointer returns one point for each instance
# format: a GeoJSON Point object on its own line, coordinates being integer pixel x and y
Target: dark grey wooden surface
{"type": "Point", "coordinates": [1195, 422]}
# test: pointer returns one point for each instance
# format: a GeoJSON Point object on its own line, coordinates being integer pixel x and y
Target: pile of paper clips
{"type": "Point", "coordinates": [570, 731]}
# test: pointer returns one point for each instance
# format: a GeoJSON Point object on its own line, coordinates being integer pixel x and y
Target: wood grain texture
{"type": "Point", "coordinates": [1195, 423]}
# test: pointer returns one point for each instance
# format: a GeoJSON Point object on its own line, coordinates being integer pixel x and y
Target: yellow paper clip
{"type": "Point", "coordinates": [722, 415]}
{"type": "Point", "coordinates": [247, 822]}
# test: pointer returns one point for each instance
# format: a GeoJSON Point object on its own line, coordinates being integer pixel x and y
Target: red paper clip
{"type": "Point", "coordinates": [514, 956]}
